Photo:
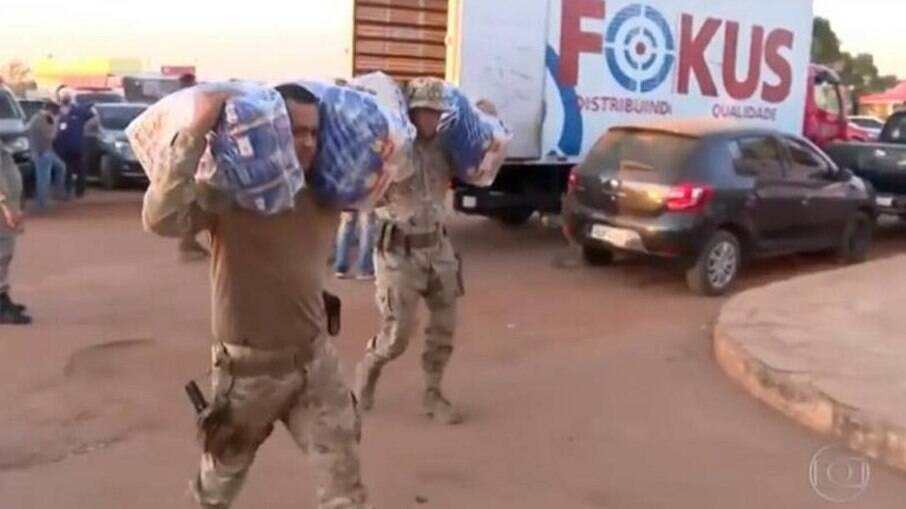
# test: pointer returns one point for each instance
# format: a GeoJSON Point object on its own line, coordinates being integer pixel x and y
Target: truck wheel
{"type": "Point", "coordinates": [856, 239]}
{"type": "Point", "coordinates": [717, 266]}
{"type": "Point", "coordinates": [596, 256]}
{"type": "Point", "coordinates": [110, 178]}
{"type": "Point", "coordinates": [514, 216]}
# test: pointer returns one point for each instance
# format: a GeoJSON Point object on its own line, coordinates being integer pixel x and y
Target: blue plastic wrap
{"type": "Point", "coordinates": [475, 142]}
{"type": "Point", "coordinates": [253, 151]}
{"type": "Point", "coordinates": [362, 147]}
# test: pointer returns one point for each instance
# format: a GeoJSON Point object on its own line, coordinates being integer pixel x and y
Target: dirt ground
{"type": "Point", "coordinates": [583, 388]}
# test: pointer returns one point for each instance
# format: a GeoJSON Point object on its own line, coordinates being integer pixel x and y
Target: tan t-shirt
{"type": "Point", "coordinates": [266, 271]}
{"type": "Point", "coordinates": [267, 274]}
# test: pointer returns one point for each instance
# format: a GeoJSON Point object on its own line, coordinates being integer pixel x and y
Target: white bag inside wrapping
{"type": "Point", "coordinates": [151, 133]}
{"type": "Point", "coordinates": [393, 101]}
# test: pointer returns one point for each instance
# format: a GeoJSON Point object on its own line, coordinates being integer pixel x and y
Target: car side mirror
{"type": "Point", "coordinates": [843, 175]}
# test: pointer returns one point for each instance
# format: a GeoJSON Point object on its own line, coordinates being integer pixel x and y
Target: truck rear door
{"type": "Point", "coordinates": [497, 51]}
{"type": "Point", "coordinates": [403, 38]}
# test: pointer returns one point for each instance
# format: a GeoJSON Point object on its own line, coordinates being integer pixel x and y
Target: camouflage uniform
{"type": "Point", "coordinates": [10, 196]}
{"type": "Point", "coordinates": [311, 401]}
{"type": "Point", "coordinates": [415, 259]}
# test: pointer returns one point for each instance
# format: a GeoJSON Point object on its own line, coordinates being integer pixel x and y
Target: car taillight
{"type": "Point", "coordinates": [573, 184]}
{"type": "Point", "coordinates": [688, 197]}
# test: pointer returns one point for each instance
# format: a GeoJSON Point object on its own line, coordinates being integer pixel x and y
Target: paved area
{"type": "Point", "coordinates": [828, 351]}
{"type": "Point", "coordinates": [584, 388]}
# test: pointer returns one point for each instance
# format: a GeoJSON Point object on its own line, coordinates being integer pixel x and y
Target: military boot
{"type": "Point", "coordinates": [439, 408]}
{"type": "Point", "coordinates": [6, 300]}
{"type": "Point", "coordinates": [10, 314]}
{"type": "Point", "coordinates": [366, 376]}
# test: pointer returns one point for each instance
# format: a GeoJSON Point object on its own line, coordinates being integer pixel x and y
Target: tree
{"type": "Point", "coordinates": [825, 44]}
{"type": "Point", "coordinates": [18, 77]}
{"type": "Point", "coordinates": [857, 72]}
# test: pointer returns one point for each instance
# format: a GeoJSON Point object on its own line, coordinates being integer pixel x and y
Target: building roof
{"type": "Point", "coordinates": [895, 95]}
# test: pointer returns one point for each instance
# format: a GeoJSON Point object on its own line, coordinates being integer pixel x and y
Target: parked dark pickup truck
{"type": "Point", "coordinates": [883, 164]}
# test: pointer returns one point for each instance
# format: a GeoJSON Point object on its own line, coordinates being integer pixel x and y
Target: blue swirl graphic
{"type": "Point", "coordinates": [571, 136]}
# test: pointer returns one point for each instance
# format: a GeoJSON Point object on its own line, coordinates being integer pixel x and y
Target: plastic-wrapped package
{"type": "Point", "coordinates": [251, 155]}
{"type": "Point", "coordinates": [476, 142]}
{"type": "Point", "coordinates": [254, 155]}
{"type": "Point", "coordinates": [151, 133]}
{"type": "Point", "coordinates": [388, 92]}
{"type": "Point", "coordinates": [363, 146]}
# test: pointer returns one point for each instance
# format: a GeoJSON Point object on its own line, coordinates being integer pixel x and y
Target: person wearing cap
{"type": "Point", "coordinates": [414, 259]}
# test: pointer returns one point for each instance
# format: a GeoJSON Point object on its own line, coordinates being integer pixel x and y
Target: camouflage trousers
{"type": "Point", "coordinates": [7, 246]}
{"type": "Point", "coordinates": [432, 274]}
{"type": "Point", "coordinates": [314, 405]}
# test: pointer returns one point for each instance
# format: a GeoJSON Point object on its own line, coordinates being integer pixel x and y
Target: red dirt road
{"type": "Point", "coordinates": [584, 388]}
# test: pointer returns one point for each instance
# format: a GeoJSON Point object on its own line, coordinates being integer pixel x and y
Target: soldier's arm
{"type": "Point", "coordinates": [7, 167]}
{"type": "Point", "coordinates": [171, 203]}
{"type": "Point", "coordinates": [10, 213]}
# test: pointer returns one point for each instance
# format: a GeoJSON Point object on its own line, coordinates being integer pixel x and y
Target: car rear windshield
{"type": "Point", "coordinates": [9, 109]}
{"type": "Point", "coordinates": [99, 97]}
{"type": "Point", "coordinates": [116, 118]}
{"type": "Point", "coordinates": [631, 149]}
{"type": "Point", "coordinates": [895, 130]}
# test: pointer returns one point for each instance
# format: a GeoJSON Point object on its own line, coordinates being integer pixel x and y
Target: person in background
{"type": "Point", "coordinates": [12, 223]}
{"type": "Point", "coordinates": [356, 225]}
{"type": "Point", "coordinates": [189, 247]}
{"type": "Point", "coordinates": [64, 99]}
{"type": "Point", "coordinates": [42, 129]}
{"type": "Point", "coordinates": [68, 143]}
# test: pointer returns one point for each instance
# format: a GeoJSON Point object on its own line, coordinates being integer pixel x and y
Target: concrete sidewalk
{"type": "Point", "coordinates": [829, 351]}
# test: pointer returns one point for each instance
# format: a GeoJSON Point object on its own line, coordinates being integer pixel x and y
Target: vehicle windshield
{"type": "Point", "coordinates": [640, 150]}
{"type": "Point", "coordinates": [9, 108]}
{"type": "Point", "coordinates": [30, 108]}
{"type": "Point", "coordinates": [895, 130]}
{"type": "Point", "coordinates": [826, 97]}
{"type": "Point", "coordinates": [98, 97]}
{"type": "Point", "coordinates": [116, 118]}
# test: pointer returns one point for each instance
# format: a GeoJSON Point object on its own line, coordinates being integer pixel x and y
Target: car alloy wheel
{"type": "Point", "coordinates": [723, 262]}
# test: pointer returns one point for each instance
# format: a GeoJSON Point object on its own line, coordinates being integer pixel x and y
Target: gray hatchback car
{"type": "Point", "coordinates": [711, 195]}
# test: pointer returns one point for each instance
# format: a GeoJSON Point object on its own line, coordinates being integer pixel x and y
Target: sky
{"type": "Point", "coordinates": [870, 26]}
{"type": "Point", "coordinates": [192, 32]}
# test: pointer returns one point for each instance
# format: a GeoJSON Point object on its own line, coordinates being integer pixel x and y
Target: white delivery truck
{"type": "Point", "coordinates": [564, 71]}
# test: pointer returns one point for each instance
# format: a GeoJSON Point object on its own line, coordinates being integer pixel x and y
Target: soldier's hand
{"type": "Point", "coordinates": [13, 218]}
{"type": "Point", "coordinates": [208, 108]}
{"type": "Point", "coordinates": [486, 106]}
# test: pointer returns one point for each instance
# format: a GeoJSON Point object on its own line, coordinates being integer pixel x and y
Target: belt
{"type": "Point", "coordinates": [243, 361]}
{"type": "Point", "coordinates": [395, 238]}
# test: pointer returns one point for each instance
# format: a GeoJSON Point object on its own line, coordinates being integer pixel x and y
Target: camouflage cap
{"type": "Point", "coordinates": [426, 93]}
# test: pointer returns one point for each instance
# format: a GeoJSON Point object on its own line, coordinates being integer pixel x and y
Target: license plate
{"type": "Point", "coordinates": [884, 201]}
{"type": "Point", "coordinates": [469, 202]}
{"type": "Point", "coordinates": [614, 236]}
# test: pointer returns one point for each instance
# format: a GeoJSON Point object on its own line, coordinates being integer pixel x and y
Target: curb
{"type": "Point", "coordinates": [793, 394]}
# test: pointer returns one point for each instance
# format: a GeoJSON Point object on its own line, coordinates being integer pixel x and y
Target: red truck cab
{"type": "Point", "coordinates": [825, 107]}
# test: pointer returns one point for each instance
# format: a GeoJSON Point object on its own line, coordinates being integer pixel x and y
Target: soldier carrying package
{"type": "Point", "coordinates": [271, 235]}
{"type": "Point", "coordinates": [414, 258]}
